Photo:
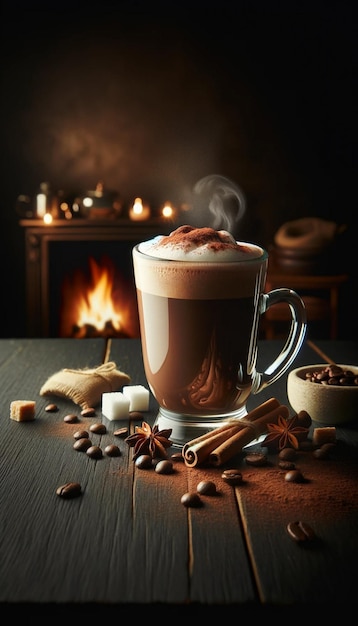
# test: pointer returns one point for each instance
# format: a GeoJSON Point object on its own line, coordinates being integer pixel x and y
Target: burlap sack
{"type": "Point", "coordinates": [85, 387]}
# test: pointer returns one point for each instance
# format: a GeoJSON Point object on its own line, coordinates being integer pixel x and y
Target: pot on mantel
{"type": "Point", "coordinates": [100, 203]}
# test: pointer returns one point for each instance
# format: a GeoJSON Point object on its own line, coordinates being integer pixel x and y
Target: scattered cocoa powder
{"type": "Point", "coordinates": [329, 489]}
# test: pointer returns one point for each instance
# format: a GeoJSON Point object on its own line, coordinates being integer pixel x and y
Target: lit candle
{"type": "Point", "coordinates": [47, 218]}
{"type": "Point", "coordinates": [139, 211]}
{"type": "Point", "coordinates": [46, 201]}
{"type": "Point", "coordinates": [41, 203]}
{"type": "Point", "coordinates": [168, 211]}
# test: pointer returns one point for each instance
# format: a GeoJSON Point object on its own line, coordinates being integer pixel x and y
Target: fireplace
{"type": "Point", "coordinates": [79, 276]}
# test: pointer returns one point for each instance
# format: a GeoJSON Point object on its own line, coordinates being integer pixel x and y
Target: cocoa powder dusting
{"type": "Point", "coordinates": [329, 490]}
{"type": "Point", "coordinates": [185, 237]}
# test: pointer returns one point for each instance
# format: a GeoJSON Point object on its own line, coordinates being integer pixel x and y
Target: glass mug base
{"type": "Point", "coordinates": [188, 427]}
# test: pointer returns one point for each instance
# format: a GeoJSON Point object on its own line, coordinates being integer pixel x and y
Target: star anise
{"type": "Point", "coordinates": [151, 441]}
{"type": "Point", "coordinates": [285, 434]}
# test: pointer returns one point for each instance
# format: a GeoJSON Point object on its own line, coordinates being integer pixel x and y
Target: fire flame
{"type": "Point", "coordinates": [96, 306]}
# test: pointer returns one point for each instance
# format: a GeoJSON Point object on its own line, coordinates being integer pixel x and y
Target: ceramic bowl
{"type": "Point", "coordinates": [326, 404]}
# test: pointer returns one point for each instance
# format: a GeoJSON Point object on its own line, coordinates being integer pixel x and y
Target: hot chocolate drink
{"type": "Point", "coordinates": [198, 298]}
{"type": "Point", "coordinates": [198, 360]}
{"type": "Point", "coordinates": [200, 311]}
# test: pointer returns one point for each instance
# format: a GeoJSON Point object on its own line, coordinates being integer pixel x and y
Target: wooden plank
{"type": "Point", "coordinates": [189, 555]}
{"type": "Point", "coordinates": [158, 550]}
{"type": "Point", "coordinates": [97, 548]}
{"type": "Point", "coordinates": [36, 360]}
{"type": "Point", "coordinates": [212, 580]}
{"type": "Point", "coordinates": [59, 550]}
{"type": "Point", "coordinates": [221, 570]}
{"type": "Point", "coordinates": [9, 348]}
{"type": "Point", "coordinates": [55, 550]}
{"type": "Point", "coordinates": [160, 535]}
{"type": "Point", "coordinates": [285, 572]}
{"type": "Point", "coordinates": [317, 572]}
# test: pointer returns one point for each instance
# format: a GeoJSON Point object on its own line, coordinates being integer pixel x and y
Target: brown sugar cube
{"type": "Point", "coordinates": [22, 410]}
{"type": "Point", "coordinates": [323, 435]}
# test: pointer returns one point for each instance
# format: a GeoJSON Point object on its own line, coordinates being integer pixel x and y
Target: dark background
{"type": "Point", "coordinates": [150, 97]}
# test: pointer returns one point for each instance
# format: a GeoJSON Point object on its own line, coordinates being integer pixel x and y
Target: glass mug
{"type": "Point", "coordinates": [199, 328]}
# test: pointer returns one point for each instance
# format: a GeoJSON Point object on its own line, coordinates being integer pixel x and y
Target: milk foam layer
{"type": "Point", "coordinates": [200, 245]}
{"type": "Point", "coordinates": [213, 266]}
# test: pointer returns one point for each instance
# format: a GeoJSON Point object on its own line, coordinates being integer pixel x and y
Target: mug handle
{"type": "Point", "coordinates": [294, 339]}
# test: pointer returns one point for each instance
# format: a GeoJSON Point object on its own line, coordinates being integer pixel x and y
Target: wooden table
{"type": "Point", "coordinates": [128, 540]}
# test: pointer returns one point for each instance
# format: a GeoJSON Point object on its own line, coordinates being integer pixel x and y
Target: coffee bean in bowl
{"type": "Point", "coordinates": [328, 392]}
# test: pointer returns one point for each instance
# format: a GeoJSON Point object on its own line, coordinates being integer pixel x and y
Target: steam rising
{"type": "Point", "coordinates": [225, 200]}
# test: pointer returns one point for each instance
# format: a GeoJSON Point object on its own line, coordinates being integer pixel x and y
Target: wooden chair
{"type": "Point", "coordinates": [319, 293]}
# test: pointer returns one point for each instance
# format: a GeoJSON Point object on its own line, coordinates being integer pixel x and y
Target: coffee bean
{"type": "Point", "coordinates": [286, 465]}
{"type": "Point", "coordinates": [94, 452]}
{"type": "Point", "coordinates": [333, 375]}
{"type": "Point", "coordinates": [334, 370]}
{"type": "Point", "coordinates": [69, 490]}
{"type": "Point", "coordinates": [346, 381]}
{"type": "Point", "coordinates": [143, 461]}
{"type": "Point", "coordinates": [330, 380]}
{"type": "Point", "coordinates": [324, 451]}
{"type": "Point", "coordinates": [304, 419]}
{"type": "Point", "coordinates": [206, 487]}
{"type": "Point", "coordinates": [294, 476]}
{"type": "Point", "coordinates": [232, 476]}
{"type": "Point", "coordinates": [300, 532]}
{"type": "Point", "coordinates": [82, 444]}
{"type": "Point", "coordinates": [136, 415]}
{"type": "Point", "coordinates": [191, 499]}
{"type": "Point", "coordinates": [257, 459]}
{"type": "Point", "coordinates": [100, 429]}
{"type": "Point", "coordinates": [71, 418]}
{"type": "Point", "coordinates": [121, 432]}
{"type": "Point", "coordinates": [309, 532]}
{"type": "Point", "coordinates": [51, 408]}
{"type": "Point", "coordinates": [164, 466]}
{"type": "Point", "coordinates": [89, 412]}
{"type": "Point", "coordinates": [287, 454]}
{"type": "Point", "coordinates": [112, 450]}
{"type": "Point", "coordinates": [81, 434]}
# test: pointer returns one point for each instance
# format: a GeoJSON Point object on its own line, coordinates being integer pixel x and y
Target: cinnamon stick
{"type": "Point", "coordinates": [197, 453]}
{"type": "Point", "coordinates": [198, 450]}
{"type": "Point", "coordinates": [234, 444]}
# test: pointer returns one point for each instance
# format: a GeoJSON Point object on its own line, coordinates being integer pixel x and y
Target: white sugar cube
{"type": "Point", "coordinates": [115, 405]}
{"type": "Point", "coordinates": [138, 397]}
